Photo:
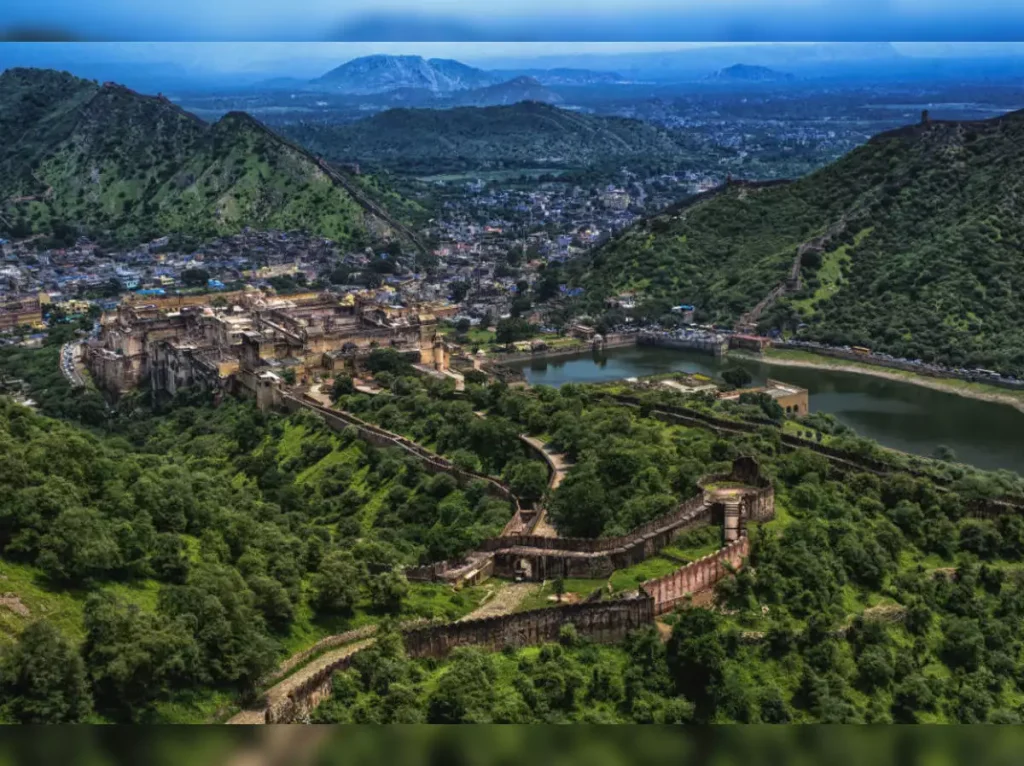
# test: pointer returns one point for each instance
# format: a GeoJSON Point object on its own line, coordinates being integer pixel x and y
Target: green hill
{"type": "Point", "coordinates": [912, 244]}
{"type": "Point", "coordinates": [523, 135]}
{"type": "Point", "coordinates": [81, 158]}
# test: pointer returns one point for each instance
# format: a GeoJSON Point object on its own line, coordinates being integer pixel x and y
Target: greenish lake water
{"type": "Point", "coordinates": [898, 415]}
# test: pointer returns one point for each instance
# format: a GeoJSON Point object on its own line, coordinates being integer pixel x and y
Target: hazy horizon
{"type": "Point", "coordinates": [270, 59]}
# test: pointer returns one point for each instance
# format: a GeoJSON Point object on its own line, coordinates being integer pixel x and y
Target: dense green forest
{"type": "Point", "coordinates": [159, 565]}
{"type": "Point", "coordinates": [867, 600]}
{"type": "Point", "coordinates": [627, 469]}
{"type": "Point", "coordinates": [523, 135]}
{"type": "Point", "coordinates": [925, 262]}
{"type": "Point", "coordinates": [79, 158]}
{"type": "Point", "coordinates": [173, 562]}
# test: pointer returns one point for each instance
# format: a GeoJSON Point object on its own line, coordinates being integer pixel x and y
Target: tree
{"type": "Point", "coordinates": [737, 377]}
{"type": "Point", "coordinates": [169, 559]}
{"type": "Point", "coordinates": [336, 584]}
{"type": "Point", "coordinates": [388, 590]}
{"type": "Point", "coordinates": [459, 291]}
{"type": "Point", "coordinates": [464, 694]}
{"type": "Point", "coordinates": [527, 478]}
{"type": "Point", "coordinates": [81, 544]}
{"type": "Point", "coordinates": [386, 360]}
{"type": "Point", "coordinates": [342, 386]}
{"type": "Point", "coordinates": [578, 507]}
{"type": "Point", "coordinates": [195, 277]}
{"type": "Point", "coordinates": [135, 659]}
{"type": "Point", "coordinates": [913, 694]}
{"type": "Point", "coordinates": [696, 659]}
{"type": "Point", "coordinates": [231, 632]}
{"type": "Point", "coordinates": [512, 330]}
{"type": "Point", "coordinates": [42, 679]}
{"type": "Point", "coordinates": [874, 667]}
{"type": "Point", "coordinates": [559, 588]}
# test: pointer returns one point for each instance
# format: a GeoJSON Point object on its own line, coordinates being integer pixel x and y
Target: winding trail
{"type": "Point", "coordinates": [559, 468]}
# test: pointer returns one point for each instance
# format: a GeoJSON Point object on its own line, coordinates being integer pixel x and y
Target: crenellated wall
{"type": "Point", "coordinates": [532, 557]}
{"type": "Point", "coordinates": [672, 590]}
{"type": "Point", "coordinates": [379, 437]}
{"type": "Point", "coordinates": [601, 622]}
{"type": "Point", "coordinates": [604, 622]}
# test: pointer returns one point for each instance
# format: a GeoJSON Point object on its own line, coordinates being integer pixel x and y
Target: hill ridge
{"type": "Point", "coordinates": [928, 265]}
{"type": "Point", "coordinates": [123, 167]}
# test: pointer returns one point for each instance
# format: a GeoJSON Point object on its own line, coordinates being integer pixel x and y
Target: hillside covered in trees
{"type": "Point", "coordinates": [868, 598]}
{"type": "Point", "coordinates": [161, 566]}
{"type": "Point", "coordinates": [80, 158]}
{"type": "Point", "coordinates": [922, 258]}
{"type": "Point", "coordinates": [523, 135]}
{"type": "Point", "coordinates": [172, 565]}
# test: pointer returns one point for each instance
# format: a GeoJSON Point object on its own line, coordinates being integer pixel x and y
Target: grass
{"type": "Point", "coordinates": [539, 598]}
{"type": "Point", "coordinates": [829, 275]}
{"type": "Point", "coordinates": [62, 607]}
{"type": "Point", "coordinates": [426, 600]}
{"type": "Point", "coordinates": [199, 706]}
{"type": "Point", "coordinates": [793, 428]}
{"type": "Point", "coordinates": [631, 577]}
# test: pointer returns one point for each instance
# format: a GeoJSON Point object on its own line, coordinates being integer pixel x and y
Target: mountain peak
{"type": "Point", "coordinates": [750, 73]}
{"type": "Point", "coordinates": [381, 73]}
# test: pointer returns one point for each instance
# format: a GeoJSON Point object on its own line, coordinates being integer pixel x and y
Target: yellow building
{"type": "Point", "coordinates": [23, 310]}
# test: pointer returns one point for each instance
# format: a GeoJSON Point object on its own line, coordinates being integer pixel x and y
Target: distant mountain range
{"type": "Point", "coordinates": [524, 135]}
{"type": "Point", "coordinates": [379, 74]}
{"type": "Point", "coordinates": [747, 73]}
{"type": "Point", "coordinates": [77, 158]}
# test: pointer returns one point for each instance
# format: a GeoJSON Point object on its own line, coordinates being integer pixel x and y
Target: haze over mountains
{"type": "Point", "coordinates": [378, 74]}
{"type": "Point", "coordinates": [745, 74]}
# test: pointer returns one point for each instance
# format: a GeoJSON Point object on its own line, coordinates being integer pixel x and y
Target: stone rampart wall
{"type": "Point", "coordinates": [602, 622]}
{"type": "Point", "coordinates": [379, 437]}
{"type": "Point", "coordinates": [670, 591]}
{"type": "Point", "coordinates": [687, 511]}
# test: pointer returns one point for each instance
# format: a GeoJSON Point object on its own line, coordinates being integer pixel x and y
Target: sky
{"type": "Point", "coordinates": [523, 20]}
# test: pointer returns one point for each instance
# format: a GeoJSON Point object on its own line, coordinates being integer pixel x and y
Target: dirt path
{"type": "Point", "coordinates": [915, 380]}
{"type": "Point", "coordinates": [504, 601]}
{"type": "Point", "coordinates": [543, 527]}
{"type": "Point", "coordinates": [559, 468]}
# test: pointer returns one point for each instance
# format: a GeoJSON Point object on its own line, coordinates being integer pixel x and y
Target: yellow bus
{"type": "Point", "coordinates": [860, 350]}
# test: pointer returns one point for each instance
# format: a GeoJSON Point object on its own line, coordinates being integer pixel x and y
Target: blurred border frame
{"type": "Point", "coordinates": [490, 745]}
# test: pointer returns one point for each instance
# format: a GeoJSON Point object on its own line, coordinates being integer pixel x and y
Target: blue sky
{"type": "Point", "coordinates": [524, 20]}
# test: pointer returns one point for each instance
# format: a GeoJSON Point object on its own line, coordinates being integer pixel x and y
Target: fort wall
{"type": "Point", "coordinates": [378, 437]}
{"type": "Point", "coordinates": [674, 589]}
{"type": "Point", "coordinates": [605, 622]}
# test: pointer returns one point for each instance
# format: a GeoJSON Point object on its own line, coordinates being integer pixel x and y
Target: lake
{"type": "Point", "coordinates": [899, 415]}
